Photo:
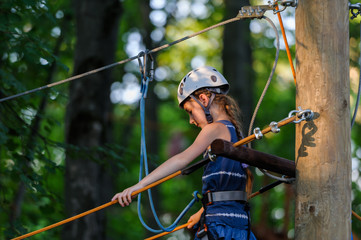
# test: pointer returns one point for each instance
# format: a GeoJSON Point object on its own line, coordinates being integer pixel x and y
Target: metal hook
{"type": "Point", "coordinates": [141, 66]}
{"type": "Point", "coordinates": [212, 156]}
{"type": "Point", "coordinates": [280, 10]}
{"type": "Point", "coordinates": [284, 3]}
{"type": "Point", "coordinates": [301, 114]}
{"type": "Point", "coordinates": [289, 3]}
{"type": "Point", "coordinates": [306, 114]}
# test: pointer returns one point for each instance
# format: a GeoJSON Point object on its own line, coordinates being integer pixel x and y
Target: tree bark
{"type": "Point", "coordinates": [323, 152]}
{"type": "Point", "coordinates": [88, 123]}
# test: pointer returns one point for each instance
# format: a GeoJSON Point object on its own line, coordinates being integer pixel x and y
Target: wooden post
{"type": "Point", "coordinates": [323, 152]}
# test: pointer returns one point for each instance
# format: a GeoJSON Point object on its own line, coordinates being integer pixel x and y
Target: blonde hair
{"type": "Point", "coordinates": [228, 104]}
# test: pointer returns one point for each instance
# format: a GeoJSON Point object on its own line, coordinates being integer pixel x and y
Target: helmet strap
{"type": "Point", "coordinates": [205, 109]}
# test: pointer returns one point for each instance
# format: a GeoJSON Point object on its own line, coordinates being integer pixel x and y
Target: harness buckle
{"type": "Point", "coordinates": [207, 198]}
{"type": "Point", "coordinates": [202, 232]}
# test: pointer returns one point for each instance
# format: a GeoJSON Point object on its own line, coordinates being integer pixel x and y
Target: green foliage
{"type": "Point", "coordinates": [32, 148]}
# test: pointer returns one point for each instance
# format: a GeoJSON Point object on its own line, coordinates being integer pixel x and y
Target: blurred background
{"type": "Point", "coordinates": [70, 148]}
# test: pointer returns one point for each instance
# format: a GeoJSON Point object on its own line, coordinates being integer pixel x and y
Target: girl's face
{"type": "Point", "coordinates": [196, 113]}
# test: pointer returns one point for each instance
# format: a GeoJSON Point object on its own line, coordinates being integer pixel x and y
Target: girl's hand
{"type": "Point", "coordinates": [194, 219]}
{"type": "Point", "coordinates": [125, 198]}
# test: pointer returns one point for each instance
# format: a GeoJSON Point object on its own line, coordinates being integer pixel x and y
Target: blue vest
{"type": "Point", "coordinates": [225, 174]}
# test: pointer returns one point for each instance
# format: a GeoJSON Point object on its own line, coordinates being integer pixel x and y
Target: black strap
{"type": "Point", "coordinates": [188, 170]}
{"type": "Point", "coordinates": [206, 109]}
{"type": "Point", "coordinates": [210, 197]}
{"type": "Point", "coordinates": [202, 230]}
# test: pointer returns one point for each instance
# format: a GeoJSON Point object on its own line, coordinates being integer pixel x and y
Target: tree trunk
{"type": "Point", "coordinates": [88, 123]}
{"type": "Point", "coordinates": [237, 60]}
{"type": "Point", "coordinates": [323, 152]}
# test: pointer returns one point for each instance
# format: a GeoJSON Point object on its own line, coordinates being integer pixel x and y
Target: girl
{"type": "Point", "coordinates": [225, 213]}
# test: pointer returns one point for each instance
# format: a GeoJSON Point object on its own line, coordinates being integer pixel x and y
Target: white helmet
{"type": "Point", "coordinates": [203, 77]}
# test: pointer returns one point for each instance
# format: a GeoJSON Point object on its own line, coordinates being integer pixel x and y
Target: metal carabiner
{"type": "Point", "coordinates": [294, 113]}
{"type": "Point", "coordinates": [301, 114]}
{"type": "Point", "coordinates": [141, 66]}
{"type": "Point", "coordinates": [284, 4]}
{"type": "Point", "coordinates": [289, 3]}
{"type": "Point", "coordinates": [306, 114]}
{"type": "Point", "coordinates": [290, 114]}
{"type": "Point", "coordinates": [279, 10]}
{"type": "Point", "coordinates": [210, 155]}
{"type": "Point", "coordinates": [148, 65]}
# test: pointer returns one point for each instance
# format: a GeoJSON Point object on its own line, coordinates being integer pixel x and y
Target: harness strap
{"type": "Point", "coordinates": [206, 109]}
{"type": "Point", "coordinates": [210, 197]}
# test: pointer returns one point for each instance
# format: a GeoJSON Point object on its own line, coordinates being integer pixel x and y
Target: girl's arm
{"type": "Point", "coordinates": [207, 135]}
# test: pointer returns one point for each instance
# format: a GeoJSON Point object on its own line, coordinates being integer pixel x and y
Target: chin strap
{"type": "Point", "coordinates": [206, 109]}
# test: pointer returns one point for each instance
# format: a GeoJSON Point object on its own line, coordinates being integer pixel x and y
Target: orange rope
{"type": "Point", "coordinates": [252, 137]}
{"type": "Point", "coordinates": [97, 208]}
{"type": "Point", "coordinates": [241, 142]}
{"type": "Point", "coordinates": [165, 233]}
{"type": "Point", "coordinates": [286, 44]}
{"type": "Point", "coordinates": [186, 224]}
{"type": "Point", "coordinates": [356, 216]}
{"type": "Point", "coordinates": [66, 220]}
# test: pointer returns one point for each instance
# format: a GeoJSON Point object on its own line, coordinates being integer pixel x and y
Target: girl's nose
{"type": "Point", "coordinates": [191, 120]}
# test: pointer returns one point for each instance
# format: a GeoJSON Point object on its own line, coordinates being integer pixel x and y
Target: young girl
{"type": "Point", "coordinates": [225, 213]}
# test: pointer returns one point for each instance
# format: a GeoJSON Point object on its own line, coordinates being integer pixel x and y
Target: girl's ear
{"type": "Point", "coordinates": [203, 98]}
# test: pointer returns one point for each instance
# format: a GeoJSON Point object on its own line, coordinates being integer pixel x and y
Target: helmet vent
{"type": "Point", "coordinates": [181, 89]}
{"type": "Point", "coordinates": [214, 78]}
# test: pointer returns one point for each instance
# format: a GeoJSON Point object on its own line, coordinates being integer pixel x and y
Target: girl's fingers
{"type": "Point", "coordinates": [129, 197]}
{"type": "Point", "coordinates": [115, 197]}
{"type": "Point", "coordinates": [190, 223]}
{"type": "Point", "coordinates": [118, 197]}
{"type": "Point", "coordinates": [124, 198]}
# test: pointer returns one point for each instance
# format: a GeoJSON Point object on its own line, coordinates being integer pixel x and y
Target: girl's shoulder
{"type": "Point", "coordinates": [216, 130]}
{"type": "Point", "coordinates": [216, 126]}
